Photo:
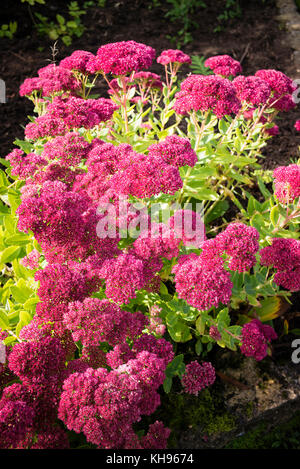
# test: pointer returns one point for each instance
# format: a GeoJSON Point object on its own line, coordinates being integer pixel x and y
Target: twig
{"type": "Point", "coordinates": [245, 52]}
{"type": "Point", "coordinates": [232, 381]}
{"type": "Point", "coordinates": [19, 56]}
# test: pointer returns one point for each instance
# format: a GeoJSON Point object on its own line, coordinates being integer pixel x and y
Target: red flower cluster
{"type": "Point", "coordinates": [284, 256]}
{"type": "Point", "coordinates": [255, 339]}
{"type": "Point", "coordinates": [198, 377]}
{"type": "Point", "coordinates": [121, 58]}
{"type": "Point", "coordinates": [223, 65]}
{"type": "Point", "coordinates": [205, 93]}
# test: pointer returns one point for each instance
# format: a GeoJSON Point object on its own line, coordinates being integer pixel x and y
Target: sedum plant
{"type": "Point", "coordinates": [130, 234]}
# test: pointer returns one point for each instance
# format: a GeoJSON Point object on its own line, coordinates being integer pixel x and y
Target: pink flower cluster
{"type": "Point", "coordinates": [93, 321]}
{"type": "Point", "coordinates": [201, 283]}
{"type": "Point", "coordinates": [204, 93]}
{"type": "Point", "coordinates": [78, 61]}
{"type": "Point", "coordinates": [197, 377]}
{"type": "Point", "coordinates": [52, 79]}
{"type": "Point", "coordinates": [202, 280]}
{"type": "Point", "coordinates": [252, 90]}
{"type": "Point", "coordinates": [121, 58]}
{"type": "Point", "coordinates": [104, 405]}
{"type": "Point", "coordinates": [173, 56]}
{"type": "Point", "coordinates": [69, 149]}
{"type": "Point", "coordinates": [240, 243]}
{"type": "Point", "coordinates": [287, 183]}
{"type": "Point", "coordinates": [28, 411]}
{"type": "Point", "coordinates": [284, 256]}
{"type": "Point", "coordinates": [282, 88]}
{"type": "Point", "coordinates": [256, 338]}
{"type": "Point", "coordinates": [224, 65]}
{"type": "Point", "coordinates": [72, 113]}
{"type": "Point", "coordinates": [297, 125]}
{"type": "Point", "coordinates": [174, 150]}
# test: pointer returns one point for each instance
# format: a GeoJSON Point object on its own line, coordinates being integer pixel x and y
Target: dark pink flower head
{"type": "Point", "coordinates": [223, 65]}
{"type": "Point", "coordinates": [16, 420]}
{"type": "Point", "coordinates": [284, 256]}
{"type": "Point", "coordinates": [282, 88]}
{"type": "Point", "coordinates": [25, 165]}
{"type": "Point", "coordinates": [56, 79]}
{"type": "Point", "coordinates": [285, 104]}
{"type": "Point", "coordinates": [159, 241]}
{"type": "Point", "coordinates": [120, 58]}
{"type": "Point", "coordinates": [157, 436]}
{"type": "Point", "coordinates": [123, 276]}
{"type": "Point", "coordinates": [55, 215]}
{"type": "Point", "coordinates": [78, 112]}
{"type": "Point", "coordinates": [173, 56]}
{"type": "Point", "coordinates": [255, 339]}
{"type": "Point", "coordinates": [202, 284]}
{"type": "Point", "coordinates": [59, 284]}
{"type": "Point", "coordinates": [46, 125]}
{"type": "Point", "coordinates": [148, 80]}
{"type": "Point", "coordinates": [35, 362]}
{"type": "Point", "coordinates": [66, 114]}
{"type": "Point", "coordinates": [240, 243]}
{"type": "Point", "coordinates": [69, 149]}
{"type": "Point", "coordinates": [280, 83]}
{"type": "Point", "coordinates": [287, 183]}
{"type": "Point", "coordinates": [143, 176]}
{"type": "Point", "coordinates": [189, 227]}
{"type": "Point", "coordinates": [297, 125]}
{"type": "Point", "coordinates": [104, 405]}
{"type": "Point", "coordinates": [93, 321]}
{"type": "Point", "coordinates": [205, 93]}
{"type": "Point", "coordinates": [198, 377]}
{"type": "Point", "coordinates": [77, 61]}
{"type": "Point", "coordinates": [29, 85]}
{"type": "Point", "coordinates": [161, 347]}
{"type": "Point", "coordinates": [253, 90]}
{"type": "Point", "coordinates": [174, 150]}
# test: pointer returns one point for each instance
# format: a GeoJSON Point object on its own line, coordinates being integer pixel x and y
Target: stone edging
{"type": "Point", "coordinates": [289, 15]}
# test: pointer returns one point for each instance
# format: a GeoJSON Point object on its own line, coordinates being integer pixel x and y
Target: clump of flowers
{"type": "Point", "coordinates": [120, 58]}
{"type": "Point", "coordinates": [173, 56]}
{"type": "Point", "coordinates": [287, 183]}
{"type": "Point", "coordinates": [197, 377]}
{"type": "Point", "coordinates": [200, 283]}
{"type": "Point", "coordinates": [282, 88]}
{"type": "Point", "coordinates": [92, 400]}
{"type": "Point", "coordinates": [93, 321]}
{"type": "Point", "coordinates": [253, 90]}
{"type": "Point", "coordinates": [256, 338]}
{"type": "Point", "coordinates": [224, 65]}
{"type": "Point", "coordinates": [284, 256]}
{"type": "Point", "coordinates": [78, 60]}
{"type": "Point", "coordinates": [174, 150]}
{"type": "Point", "coordinates": [204, 93]}
{"type": "Point", "coordinates": [240, 243]}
